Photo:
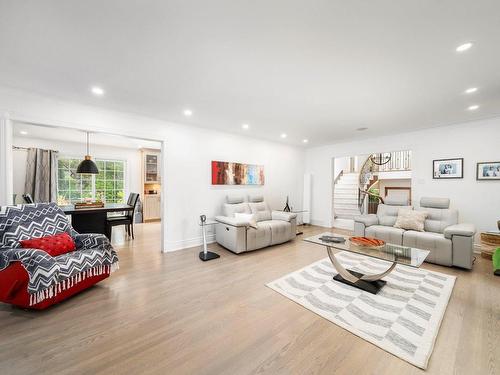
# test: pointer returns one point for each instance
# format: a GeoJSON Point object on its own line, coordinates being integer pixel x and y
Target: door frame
{"type": "Point", "coordinates": [6, 155]}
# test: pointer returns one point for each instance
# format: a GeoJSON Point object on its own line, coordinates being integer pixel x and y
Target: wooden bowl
{"type": "Point", "coordinates": [367, 241]}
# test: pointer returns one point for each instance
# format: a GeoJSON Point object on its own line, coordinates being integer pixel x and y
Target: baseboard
{"type": "Point", "coordinates": [191, 242]}
{"type": "Point", "coordinates": [477, 248]}
{"type": "Point", "coordinates": [319, 223]}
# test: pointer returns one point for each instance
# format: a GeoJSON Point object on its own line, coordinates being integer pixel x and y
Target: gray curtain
{"type": "Point", "coordinates": [41, 175]}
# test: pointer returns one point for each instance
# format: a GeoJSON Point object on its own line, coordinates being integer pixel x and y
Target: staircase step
{"type": "Point", "coordinates": [349, 206]}
{"type": "Point", "coordinates": [345, 200]}
{"type": "Point", "coordinates": [347, 211]}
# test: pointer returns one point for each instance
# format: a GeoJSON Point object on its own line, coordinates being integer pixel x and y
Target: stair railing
{"type": "Point", "coordinates": [365, 176]}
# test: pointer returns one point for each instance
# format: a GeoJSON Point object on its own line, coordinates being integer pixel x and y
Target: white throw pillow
{"type": "Point", "coordinates": [411, 219]}
{"type": "Point", "coordinates": [247, 217]}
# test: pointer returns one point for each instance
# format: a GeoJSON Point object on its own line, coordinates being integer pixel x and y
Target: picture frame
{"type": "Point", "coordinates": [230, 173]}
{"type": "Point", "coordinates": [488, 171]}
{"type": "Point", "coordinates": [448, 169]}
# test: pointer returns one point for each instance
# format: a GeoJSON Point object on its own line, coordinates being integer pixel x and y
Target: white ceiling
{"type": "Point", "coordinates": [312, 69]}
{"type": "Point", "coordinates": [30, 131]}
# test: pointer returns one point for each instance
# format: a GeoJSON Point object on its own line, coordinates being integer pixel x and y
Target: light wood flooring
{"type": "Point", "coordinates": [173, 314]}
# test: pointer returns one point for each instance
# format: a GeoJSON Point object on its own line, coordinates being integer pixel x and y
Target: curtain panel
{"type": "Point", "coordinates": [41, 175]}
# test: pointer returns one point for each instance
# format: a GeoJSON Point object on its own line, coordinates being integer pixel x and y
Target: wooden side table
{"type": "Point", "coordinates": [489, 242]}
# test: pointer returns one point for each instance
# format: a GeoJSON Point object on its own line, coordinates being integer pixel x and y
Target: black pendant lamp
{"type": "Point", "coordinates": [87, 166]}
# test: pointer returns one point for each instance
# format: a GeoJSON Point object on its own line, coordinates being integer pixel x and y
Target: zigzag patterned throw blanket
{"type": "Point", "coordinates": [49, 275]}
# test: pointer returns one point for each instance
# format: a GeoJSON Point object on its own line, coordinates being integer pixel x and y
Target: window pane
{"type": "Point", "coordinates": [74, 163]}
{"type": "Point", "coordinates": [108, 184]}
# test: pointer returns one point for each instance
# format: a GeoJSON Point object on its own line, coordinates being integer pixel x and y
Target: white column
{"type": "Point", "coordinates": [163, 166]}
{"type": "Point", "coordinates": [6, 177]}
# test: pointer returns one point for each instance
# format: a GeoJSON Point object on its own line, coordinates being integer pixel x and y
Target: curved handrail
{"type": "Point", "coordinates": [341, 173]}
{"type": "Point", "coordinates": [373, 195]}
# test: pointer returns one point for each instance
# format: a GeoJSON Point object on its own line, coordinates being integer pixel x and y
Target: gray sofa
{"type": "Point", "coordinates": [449, 243]}
{"type": "Point", "coordinates": [273, 227]}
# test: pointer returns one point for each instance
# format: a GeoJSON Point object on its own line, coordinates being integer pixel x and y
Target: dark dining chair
{"type": "Point", "coordinates": [28, 199]}
{"type": "Point", "coordinates": [127, 219]}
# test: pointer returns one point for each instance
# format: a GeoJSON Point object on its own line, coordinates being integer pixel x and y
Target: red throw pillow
{"type": "Point", "coordinates": [53, 245]}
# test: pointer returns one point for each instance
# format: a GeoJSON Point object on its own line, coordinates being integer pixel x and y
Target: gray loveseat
{"type": "Point", "coordinates": [449, 243]}
{"type": "Point", "coordinates": [273, 227]}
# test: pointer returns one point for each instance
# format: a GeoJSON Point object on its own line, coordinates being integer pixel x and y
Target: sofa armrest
{"type": "Point", "coordinates": [367, 220]}
{"type": "Point", "coordinates": [283, 216]}
{"type": "Point", "coordinates": [466, 230]}
{"type": "Point", "coordinates": [91, 241]}
{"type": "Point", "coordinates": [232, 221]}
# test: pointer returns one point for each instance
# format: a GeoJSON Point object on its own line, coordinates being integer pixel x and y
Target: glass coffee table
{"type": "Point", "coordinates": [372, 283]}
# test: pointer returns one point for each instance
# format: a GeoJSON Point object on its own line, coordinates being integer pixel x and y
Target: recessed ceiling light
{"type": "Point", "coordinates": [305, 140]}
{"type": "Point", "coordinates": [361, 129]}
{"type": "Point", "coordinates": [23, 132]}
{"type": "Point", "coordinates": [283, 135]}
{"type": "Point", "coordinates": [473, 107]}
{"type": "Point", "coordinates": [188, 112]}
{"type": "Point", "coordinates": [245, 126]}
{"type": "Point", "coordinates": [464, 47]}
{"type": "Point", "coordinates": [98, 91]}
{"type": "Point", "coordinates": [471, 90]}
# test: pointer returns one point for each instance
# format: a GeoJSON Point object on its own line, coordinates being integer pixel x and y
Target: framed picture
{"type": "Point", "coordinates": [448, 168]}
{"type": "Point", "coordinates": [228, 173]}
{"type": "Point", "coordinates": [488, 170]}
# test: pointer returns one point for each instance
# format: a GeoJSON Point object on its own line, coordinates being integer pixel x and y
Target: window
{"type": "Point", "coordinates": [108, 185]}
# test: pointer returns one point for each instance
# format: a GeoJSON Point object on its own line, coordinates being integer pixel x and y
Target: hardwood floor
{"type": "Point", "coordinates": [173, 314]}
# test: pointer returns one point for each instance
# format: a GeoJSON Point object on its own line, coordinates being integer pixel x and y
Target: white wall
{"type": "Point", "coordinates": [131, 156]}
{"type": "Point", "coordinates": [186, 190]}
{"type": "Point", "coordinates": [477, 201]}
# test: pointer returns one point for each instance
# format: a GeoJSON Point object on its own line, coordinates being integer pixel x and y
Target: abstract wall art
{"type": "Point", "coordinates": [227, 173]}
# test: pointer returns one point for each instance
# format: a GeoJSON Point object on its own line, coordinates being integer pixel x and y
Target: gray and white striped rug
{"type": "Point", "coordinates": [403, 318]}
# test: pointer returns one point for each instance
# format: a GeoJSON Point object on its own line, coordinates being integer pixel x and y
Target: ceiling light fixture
{"type": "Point", "coordinates": [361, 129]}
{"type": "Point", "coordinates": [305, 140]}
{"type": "Point", "coordinates": [473, 107]}
{"type": "Point", "coordinates": [23, 132]}
{"type": "Point", "coordinates": [97, 91]}
{"type": "Point", "coordinates": [188, 112]}
{"type": "Point", "coordinates": [87, 166]}
{"type": "Point", "coordinates": [245, 126]}
{"type": "Point", "coordinates": [471, 90]}
{"type": "Point", "coordinates": [464, 47]}
{"type": "Point", "coordinates": [283, 135]}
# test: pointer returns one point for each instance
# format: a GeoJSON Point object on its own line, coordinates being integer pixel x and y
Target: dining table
{"type": "Point", "coordinates": [93, 219]}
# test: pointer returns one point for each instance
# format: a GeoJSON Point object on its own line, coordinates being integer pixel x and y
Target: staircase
{"type": "Point", "coordinates": [345, 196]}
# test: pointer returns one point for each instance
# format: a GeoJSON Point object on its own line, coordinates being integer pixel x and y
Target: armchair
{"type": "Point", "coordinates": [31, 278]}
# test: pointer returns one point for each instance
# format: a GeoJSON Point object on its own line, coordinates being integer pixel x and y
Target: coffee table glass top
{"type": "Point", "coordinates": [409, 256]}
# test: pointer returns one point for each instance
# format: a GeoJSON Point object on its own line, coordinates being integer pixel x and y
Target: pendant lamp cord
{"type": "Point", "coordinates": [88, 153]}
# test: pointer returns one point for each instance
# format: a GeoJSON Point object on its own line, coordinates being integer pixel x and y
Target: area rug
{"type": "Point", "coordinates": [403, 318]}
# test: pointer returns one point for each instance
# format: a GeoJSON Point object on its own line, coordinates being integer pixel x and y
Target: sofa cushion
{"type": "Point", "coordinates": [250, 218]}
{"type": "Point", "coordinates": [388, 234]}
{"type": "Point", "coordinates": [261, 211]}
{"type": "Point", "coordinates": [387, 214]}
{"type": "Point", "coordinates": [28, 221]}
{"type": "Point", "coordinates": [260, 237]}
{"type": "Point", "coordinates": [235, 199]}
{"type": "Point", "coordinates": [438, 218]}
{"type": "Point", "coordinates": [230, 209]}
{"type": "Point", "coordinates": [256, 198]}
{"type": "Point", "coordinates": [434, 202]}
{"type": "Point", "coordinates": [58, 244]}
{"type": "Point", "coordinates": [410, 219]}
{"type": "Point", "coordinates": [440, 247]}
{"type": "Point", "coordinates": [280, 230]}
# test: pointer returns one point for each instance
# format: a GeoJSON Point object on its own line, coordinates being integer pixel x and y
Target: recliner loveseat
{"type": "Point", "coordinates": [449, 243]}
{"type": "Point", "coordinates": [237, 235]}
